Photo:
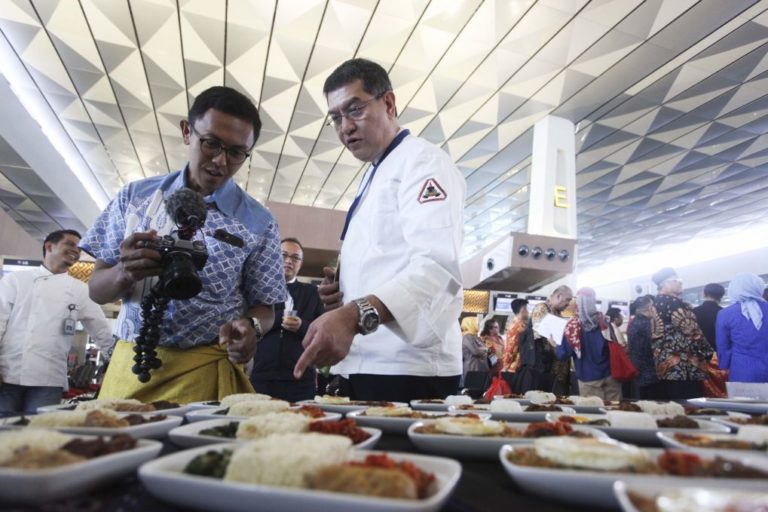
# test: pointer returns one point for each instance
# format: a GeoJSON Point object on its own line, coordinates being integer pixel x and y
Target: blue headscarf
{"type": "Point", "coordinates": [747, 290]}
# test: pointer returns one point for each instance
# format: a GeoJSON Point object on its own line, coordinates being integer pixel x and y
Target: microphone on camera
{"type": "Point", "coordinates": [187, 210]}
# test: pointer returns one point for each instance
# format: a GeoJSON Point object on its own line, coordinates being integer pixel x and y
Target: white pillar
{"type": "Point", "coordinates": [552, 203]}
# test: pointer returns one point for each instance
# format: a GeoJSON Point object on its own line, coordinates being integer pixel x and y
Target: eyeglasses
{"type": "Point", "coordinates": [353, 113]}
{"type": "Point", "coordinates": [293, 257]}
{"type": "Point", "coordinates": [213, 147]}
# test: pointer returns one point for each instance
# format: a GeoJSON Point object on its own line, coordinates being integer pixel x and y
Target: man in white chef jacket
{"type": "Point", "coordinates": [391, 324]}
{"type": "Point", "coordinates": [39, 309]}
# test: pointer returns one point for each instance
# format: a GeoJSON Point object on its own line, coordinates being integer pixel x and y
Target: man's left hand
{"type": "Point", "coordinates": [239, 337]}
{"type": "Point", "coordinates": [291, 323]}
{"type": "Point", "coordinates": [328, 339]}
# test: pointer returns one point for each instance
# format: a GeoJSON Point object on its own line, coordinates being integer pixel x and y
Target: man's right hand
{"type": "Point", "coordinates": [329, 292]}
{"type": "Point", "coordinates": [136, 260]}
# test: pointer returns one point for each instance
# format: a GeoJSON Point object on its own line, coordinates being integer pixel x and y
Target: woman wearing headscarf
{"type": "Point", "coordinates": [583, 340]}
{"type": "Point", "coordinates": [491, 336]}
{"type": "Point", "coordinates": [742, 331]}
{"type": "Point", "coordinates": [473, 350]}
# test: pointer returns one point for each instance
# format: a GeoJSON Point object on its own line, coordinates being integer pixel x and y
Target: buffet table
{"type": "Point", "coordinates": [484, 487]}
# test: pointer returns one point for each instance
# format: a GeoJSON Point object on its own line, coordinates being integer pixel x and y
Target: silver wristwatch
{"type": "Point", "coordinates": [367, 317]}
{"type": "Point", "coordinates": [256, 323]}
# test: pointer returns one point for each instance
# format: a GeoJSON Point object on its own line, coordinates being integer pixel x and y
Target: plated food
{"type": "Point", "coordinates": [223, 430]}
{"type": "Point", "coordinates": [396, 420]}
{"type": "Point", "coordinates": [249, 409]}
{"type": "Point", "coordinates": [99, 422]}
{"type": "Point", "coordinates": [119, 405]}
{"type": "Point", "coordinates": [343, 405]}
{"type": "Point", "coordinates": [582, 471]}
{"type": "Point", "coordinates": [38, 465]}
{"type": "Point", "coordinates": [300, 472]}
{"type": "Point", "coordinates": [750, 440]}
{"type": "Point", "coordinates": [641, 428]}
{"type": "Point", "coordinates": [749, 405]}
{"type": "Point", "coordinates": [476, 438]}
{"type": "Point", "coordinates": [639, 497]}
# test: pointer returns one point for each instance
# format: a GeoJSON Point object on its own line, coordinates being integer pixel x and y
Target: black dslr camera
{"type": "Point", "coordinates": [182, 256]}
{"type": "Point", "coordinates": [182, 259]}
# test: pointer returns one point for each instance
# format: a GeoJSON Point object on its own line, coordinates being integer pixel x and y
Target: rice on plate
{"type": "Point", "coordinates": [230, 400]}
{"type": "Point", "coordinates": [256, 407]}
{"type": "Point", "coordinates": [13, 440]}
{"type": "Point", "coordinates": [286, 459]}
{"type": "Point", "coordinates": [265, 425]}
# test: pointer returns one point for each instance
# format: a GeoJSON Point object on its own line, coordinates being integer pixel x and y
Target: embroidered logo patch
{"type": "Point", "coordinates": [431, 191]}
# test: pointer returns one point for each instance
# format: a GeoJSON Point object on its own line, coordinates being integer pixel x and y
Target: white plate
{"type": "Point", "coordinates": [35, 487]}
{"type": "Point", "coordinates": [175, 411]}
{"type": "Point", "coordinates": [355, 405]}
{"type": "Point", "coordinates": [188, 436]}
{"type": "Point", "coordinates": [729, 423]}
{"type": "Point", "coordinates": [732, 404]}
{"type": "Point", "coordinates": [215, 414]}
{"type": "Point", "coordinates": [521, 401]}
{"type": "Point", "coordinates": [647, 436]}
{"type": "Point", "coordinates": [593, 488]}
{"type": "Point", "coordinates": [703, 495]}
{"type": "Point", "coordinates": [206, 404]}
{"type": "Point", "coordinates": [521, 417]}
{"type": "Point", "coordinates": [399, 425]}
{"type": "Point", "coordinates": [669, 441]}
{"type": "Point", "coordinates": [165, 480]}
{"type": "Point", "coordinates": [152, 430]}
{"type": "Point", "coordinates": [421, 405]}
{"type": "Point", "coordinates": [474, 447]}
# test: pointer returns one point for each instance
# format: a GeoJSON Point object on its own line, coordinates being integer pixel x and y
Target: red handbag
{"type": "Point", "coordinates": [622, 368]}
{"type": "Point", "coordinates": [498, 386]}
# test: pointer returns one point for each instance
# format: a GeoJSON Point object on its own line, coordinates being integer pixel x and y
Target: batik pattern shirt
{"type": "Point", "coordinates": [234, 278]}
{"type": "Point", "coordinates": [680, 350]}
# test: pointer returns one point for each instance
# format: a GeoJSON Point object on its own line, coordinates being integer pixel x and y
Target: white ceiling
{"type": "Point", "coordinates": [669, 97]}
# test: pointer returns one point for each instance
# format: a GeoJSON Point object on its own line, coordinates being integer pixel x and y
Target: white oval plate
{"type": "Point", "coordinates": [175, 411]}
{"type": "Point", "coordinates": [474, 447]}
{"type": "Point", "coordinates": [152, 430]}
{"type": "Point", "coordinates": [647, 436]}
{"type": "Point", "coordinates": [215, 414]}
{"type": "Point", "coordinates": [520, 417]}
{"type": "Point", "coordinates": [595, 489]}
{"type": "Point", "coordinates": [668, 440]}
{"type": "Point", "coordinates": [400, 424]}
{"type": "Point", "coordinates": [164, 478]}
{"type": "Point", "coordinates": [188, 436]}
{"type": "Point", "coordinates": [355, 405]}
{"type": "Point", "coordinates": [39, 486]}
{"type": "Point", "coordinates": [754, 406]}
{"type": "Point", "coordinates": [702, 495]}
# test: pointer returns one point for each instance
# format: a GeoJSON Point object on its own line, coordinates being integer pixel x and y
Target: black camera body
{"type": "Point", "coordinates": [182, 259]}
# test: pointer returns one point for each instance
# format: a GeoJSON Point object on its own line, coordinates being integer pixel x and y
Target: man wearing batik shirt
{"type": "Point", "coordinates": [556, 374]}
{"type": "Point", "coordinates": [680, 350]}
{"type": "Point", "coordinates": [203, 341]}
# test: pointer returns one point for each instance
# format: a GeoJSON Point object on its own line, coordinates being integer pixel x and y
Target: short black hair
{"type": "Point", "coordinates": [613, 313]}
{"type": "Point", "coordinates": [293, 241]}
{"type": "Point", "coordinates": [641, 302]}
{"type": "Point", "coordinates": [56, 236]}
{"type": "Point", "coordinates": [374, 77]}
{"type": "Point", "coordinates": [518, 304]}
{"type": "Point", "coordinates": [229, 101]}
{"type": "Point", "coordinates": [715, 291]}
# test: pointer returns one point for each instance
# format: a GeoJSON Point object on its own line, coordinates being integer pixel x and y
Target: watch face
{"type": "Point", "coordinates": [370, 322]}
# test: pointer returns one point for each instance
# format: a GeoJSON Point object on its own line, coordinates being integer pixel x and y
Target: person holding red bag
{"type": "Point", "coordinates": [583, 341]}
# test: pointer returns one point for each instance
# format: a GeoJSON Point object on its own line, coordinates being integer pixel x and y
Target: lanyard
{"type": "Point", "coordinates": [392, 145]}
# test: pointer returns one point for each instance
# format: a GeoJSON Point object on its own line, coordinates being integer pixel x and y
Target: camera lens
{"type": "Point", "coordinates": [563, 255]}
{"type": "Point", "coordinates": [550, 254]}
{"type": "Point", "coordinates": [536, 252]}
{"type": "Point", "coordinates": [180, 279]}
{"type": "Point", "coordinates": [523, 250]}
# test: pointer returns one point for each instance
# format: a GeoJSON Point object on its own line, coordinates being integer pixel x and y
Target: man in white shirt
{"type": "Point", "coordinates": [39, 309]}
{"type": "Point", "coordinates": [399, 337]}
